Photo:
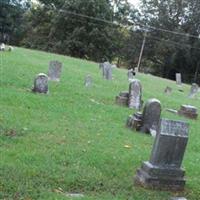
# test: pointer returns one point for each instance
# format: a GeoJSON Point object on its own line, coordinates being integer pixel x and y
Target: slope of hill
{"type": "Point", "coordinates": [73, 139]}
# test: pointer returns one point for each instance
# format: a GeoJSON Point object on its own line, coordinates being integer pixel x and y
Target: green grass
{"type": "Point", "coordinates": [73, 138]}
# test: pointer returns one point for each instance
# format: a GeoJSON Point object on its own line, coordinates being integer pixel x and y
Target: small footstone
{"type": "Point", "coordinates": [188, 111]}
{"type": "Point", "coordinates": [178, 198]}
{"type": "Point", "coordinates": [168, 90]}
{"type": "Point", "coordinates": [122, 98]}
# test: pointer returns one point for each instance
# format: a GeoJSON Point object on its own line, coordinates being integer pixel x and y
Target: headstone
{"type": "Point", "coordinates": [107, 71]}
{"type": "Point", "coordinates": [168, 90]}
{"type": "Point", "coordinates": [122, 98]}
{"type": "Point", "coordinates": [54, 70]}
{"type": "Point", "coordinates": [2, 47]}
{"type": "Point", "coordinates": [88, 81]}
{"type": "Point", "coordinates": [151, 116]}
{"type": "Point", "coordinates": [41, 83]}
{"type": "Point", "coordinates": [194, 90]}
{"type": "Point", "coordinates": [188, 111]}
{"type": "Point", "coordinates": [163, 170]}
{"type": "Point", "coordinates": [178, 79]}
{"type": "Point", "coordinates": [130, 74]}
{"type": "Point", "coordinates": [135, 94]}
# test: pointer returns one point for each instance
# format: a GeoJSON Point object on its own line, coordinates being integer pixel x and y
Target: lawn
{"type": "Point", "coordinates": [74, 139]}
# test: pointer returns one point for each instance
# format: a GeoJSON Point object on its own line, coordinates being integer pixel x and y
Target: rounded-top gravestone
{"type": "Point", "coordinates": [151, 116]}
{"type": "Point", "coordinates": [135, 94]}
{"type": "Point", "coordinates": [41, 83]}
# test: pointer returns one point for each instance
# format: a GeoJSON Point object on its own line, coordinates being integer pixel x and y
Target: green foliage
{"type": "Point", "coordinates": [11, 19]}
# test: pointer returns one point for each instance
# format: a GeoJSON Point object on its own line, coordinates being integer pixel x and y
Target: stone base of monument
{"type": "Point", "coordinates": [154, 177]}
{"type": "Point", "coordinates": [188, 111]}
{"type": "Point", "coordinates": [134, 121]}
{"type": "Point", "coordinates": [122, 98]}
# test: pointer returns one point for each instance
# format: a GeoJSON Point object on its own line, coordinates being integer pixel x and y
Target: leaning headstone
{"type": "Point", "coordinates": [55, 68]}
{"type": "Point", "coordinates": [88, 81]}
{"type": "Point", "coordinates": [188, 111]}
{"type": "Point", "coordinates": [151, 116]}
{"type": "Point", "coordinates": [168, 90]}
{"type": "Point", "coordinates": [163, 170]}
{"type": "Point", "coordinates": [178, 79]}
{"type": "Point", "coordinates": [2, 47]}
{"type": "Point", "coordinates": [41, 83]}
{"type": "Point", "coordinates": [135, 94]}
{"type": "Point", "coordinates": [194, 90]}
{"type": "Point", "coordinates": [130, 74]}
{"type": "Point", "coordinates": [122, 98]}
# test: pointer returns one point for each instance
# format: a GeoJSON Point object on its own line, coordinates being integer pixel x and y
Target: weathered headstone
{"type": "Point", "coordinates": [55, 68]}
{"type": "Point", "coordinates": [151, 116]}
{"type": "Point", "coordinates": [130, 74]}
{"type": "Point", "coordinates": [188, 111]}
{"type": "Point", "coordinates": [178, 79]}
{"type": "Point", "coordinates": [194, 90]}
{"type": "Point", "coordinates": [88, 81]}
{"type": "Point", "coordinates": [122, 98]}
{"type": "Point", "coordinates": [135, 94]}
{"type": "Point", "coordinates": [108, 71]}
{"type": "Point", "coordinates": [2, 47]}
{"type": "Point", "coordinates": [41, 83]}
{"type": "Point", "coordinates": [168, 90]}
{"type": "Point", "coordinates": [164, 171]}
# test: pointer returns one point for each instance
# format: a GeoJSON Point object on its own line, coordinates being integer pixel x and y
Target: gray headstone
{"type": "Point", "coordinates": [130, 74]}
{"type": "Point", "coordinates": [178, 198]}
{"type": "Point", "coordinates": [100, 65]}
{"type": "Point", "coordinates": [88, 81]}
{"type": "Point", "coordinates": [41, 83]}
{"type": "Point", "coordinates": [194, 90]}
{"type": "Point", "coordinates": [151, 116]}
{"type": "Point", "coordinates": [164, 171]}
{"type": "Point", "coordinates": [178, 79]}
{"type": "Point", "coordinates": [107, 71]}
{"type": "Point", "coordinates": [55, 68]}
{"type": "Point", "coordinates": [135, 94]}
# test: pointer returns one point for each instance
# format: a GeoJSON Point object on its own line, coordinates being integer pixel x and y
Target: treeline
{"type": "Point", "coordinates": [110, 30]}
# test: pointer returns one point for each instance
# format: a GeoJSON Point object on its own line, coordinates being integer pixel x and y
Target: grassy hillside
{"type": "Point", "coordinates": [73, 139]}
